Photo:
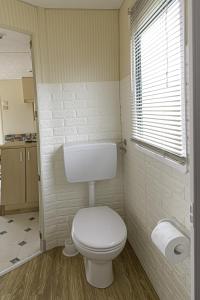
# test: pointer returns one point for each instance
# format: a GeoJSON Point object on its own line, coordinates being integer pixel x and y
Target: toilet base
{"type": "Point", "coordinates": [98, 273]}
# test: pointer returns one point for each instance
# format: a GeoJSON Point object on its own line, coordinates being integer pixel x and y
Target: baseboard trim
{"type": "Point", "coordinates": [20, 211]}
{"type": "Point", "coordinates": [2, 210]}
{"type": "Point", "coordinates": [43, 246]}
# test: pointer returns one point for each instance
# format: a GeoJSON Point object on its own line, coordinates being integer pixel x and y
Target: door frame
{"type": "Point", "coordinates": [41, 208]}
{"type": "Point", "coordinates": [195, 153]}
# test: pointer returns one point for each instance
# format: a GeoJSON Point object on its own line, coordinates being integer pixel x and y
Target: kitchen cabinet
{"type": "Point", "coordinates": [19, 182]}
{"type": "Point", "coordinates": [13, 176]}
{"type": "Point", "coordinates": [31, 175]}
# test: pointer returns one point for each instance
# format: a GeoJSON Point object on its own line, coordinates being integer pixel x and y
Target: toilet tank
{"type": "Point", "coordinates": [90, 162]}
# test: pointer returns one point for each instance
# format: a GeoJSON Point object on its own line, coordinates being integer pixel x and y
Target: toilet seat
{"type": "Point", "coordinates": [99, 229]}
{"type": "Point", "coordinates": [97, 250]}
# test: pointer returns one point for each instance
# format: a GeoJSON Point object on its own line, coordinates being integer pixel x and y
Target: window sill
{"type": "Point", "coordinates": [167, 161]}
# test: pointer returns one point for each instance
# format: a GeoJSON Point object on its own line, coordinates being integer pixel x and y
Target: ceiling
{"type": "Point", "coordinates": [15, 55]}
{"type": "Point", "coordinates": [87, 4]}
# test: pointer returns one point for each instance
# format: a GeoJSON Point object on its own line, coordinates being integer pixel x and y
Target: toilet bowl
{"type": "Point", "coordinates": [99, 234]}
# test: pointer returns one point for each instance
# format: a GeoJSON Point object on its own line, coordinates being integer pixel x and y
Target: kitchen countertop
{"type": "Point", "coordinates": [10, 145]}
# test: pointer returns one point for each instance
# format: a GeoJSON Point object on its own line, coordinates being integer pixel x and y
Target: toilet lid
{"type": "Point", "coordinates": [99, 227]}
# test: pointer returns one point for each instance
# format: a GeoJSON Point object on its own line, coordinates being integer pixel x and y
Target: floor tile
{"type": "Point", "coordinates": [19, 238]}
{"type": "Point", "coordinates": [3, 232]}
{"type": "Point", "coordinates": [15, 260]}
{"type": "Point", "coordinates": [22, 243]}
{"type": "Point", "coordinates": [27, 229]}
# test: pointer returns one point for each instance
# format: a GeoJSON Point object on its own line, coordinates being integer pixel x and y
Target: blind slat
{"type": "Point", "coordinates": [164, 142]}
{"type": "Point", "coordinates": [162, 134]}
{"type": "Point", "coordinates": [165, 128]}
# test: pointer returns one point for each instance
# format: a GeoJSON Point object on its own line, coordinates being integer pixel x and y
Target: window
{"type": "Point", "coordinates": [158, 76]}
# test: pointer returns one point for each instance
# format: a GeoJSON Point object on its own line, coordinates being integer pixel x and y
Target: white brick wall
{"type": "Point", "coordinates": [73, 112]}
{"type": "Point", "coordinates": [153, 191]}
{"type": "Point", "coordinates": [91, 111]}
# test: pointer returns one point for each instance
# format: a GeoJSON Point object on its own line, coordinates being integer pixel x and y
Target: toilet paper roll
{"type": "Point", "coordinates": [173, 244]}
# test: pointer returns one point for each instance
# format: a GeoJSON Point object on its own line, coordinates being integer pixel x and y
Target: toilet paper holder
{"type": "Point", "coordinates": [177, 224]}
{"type": "Point", "coordinates": [179, 250]}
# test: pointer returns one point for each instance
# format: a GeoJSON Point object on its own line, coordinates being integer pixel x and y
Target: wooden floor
{"type": "Point", "coordinates": [52, 276]}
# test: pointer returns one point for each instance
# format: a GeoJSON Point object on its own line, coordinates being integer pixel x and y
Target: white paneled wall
{"type": "Point", "coordinates": [73, 112]}
{"type": "Point", "coordinates": [153, 191]}
{"type": "Point", "coordinates": [83, 45]}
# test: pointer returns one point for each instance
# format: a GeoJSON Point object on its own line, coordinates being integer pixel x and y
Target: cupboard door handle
{"type": "Point", "coordinates": [28, 155]}
{"type": "Point", "coordinates": [21, 157]}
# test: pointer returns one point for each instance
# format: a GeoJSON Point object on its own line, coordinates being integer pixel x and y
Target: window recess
{"type": "Point", "coordinates": [158, 80]}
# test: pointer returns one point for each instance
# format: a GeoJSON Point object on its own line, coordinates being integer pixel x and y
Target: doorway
{"type": "Point", "coordinates": [19, 189]}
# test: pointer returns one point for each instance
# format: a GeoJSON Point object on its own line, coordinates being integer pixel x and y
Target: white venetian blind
{"type": "Point", "coordinates": [158, 75]}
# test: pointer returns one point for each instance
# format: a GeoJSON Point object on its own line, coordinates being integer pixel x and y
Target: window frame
{"type": "Point", "coordinates": [134, 90]}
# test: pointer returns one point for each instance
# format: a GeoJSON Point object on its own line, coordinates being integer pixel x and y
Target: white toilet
{"type": "Point", "coordinates": [98, 233]}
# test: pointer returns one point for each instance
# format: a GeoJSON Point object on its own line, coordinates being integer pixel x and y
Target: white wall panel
{"type": "Point", "coordinates": [153, 191]}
